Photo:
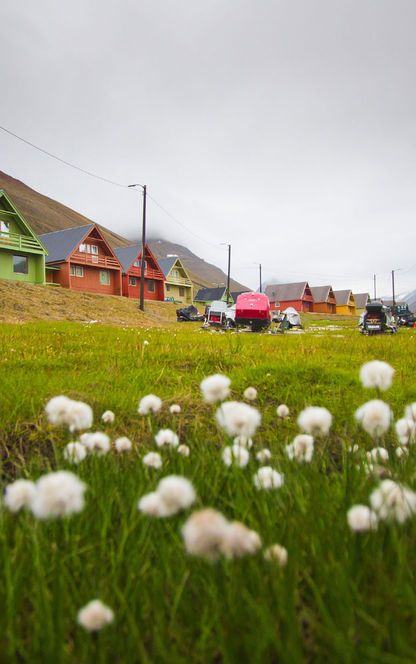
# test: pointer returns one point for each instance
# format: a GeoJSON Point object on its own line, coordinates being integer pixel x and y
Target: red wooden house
{"type": "Point", "coordinates": [324, 299]}
{"type": "Point", "coordinates": [81, 259]}
{"type": "Point", "coordinates": [131, 261]}
{"type": "Point", "coordinates": [297, 295]}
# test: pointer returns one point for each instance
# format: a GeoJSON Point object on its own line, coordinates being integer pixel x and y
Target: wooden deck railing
{"type": "Point", "coordinates": [19, 242]}
{"type": "Point", "coordinates": [180, 281]}
{"type": "Point", "coordinates": [94, 259]}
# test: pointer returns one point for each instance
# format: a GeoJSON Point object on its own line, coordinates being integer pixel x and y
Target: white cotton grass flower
{"type": "Point", "coordinates": [149, 404]}
{"type": "Point", "coordinates": [19, 494]}
{"type": "Point", "coordinates": [184, 450]}
{"type": "Point", "coordinates": [276, 553]}
{"type": "Point", "coordinates": [123, 444]}
{"type": "Point", "coordinates": [379, 454]}
{"type": "Point", "coordinates": [238, 419]}
{"type": "Point", "coordinates": [152, 505]}
{"type": "Point", "coordinates": [203, 533]}
{"type": "Point", "coordinates": [250, 393]}
{"type": "Point", "coordinates": [152, 460]}
{"type": "Point", "coordinates": [263, 455]}
{"type": "Point", "coordinates": [405, 430]}
{"type": "Point", "coordinates": [108, 417]}
{"type": "Point", "coordinates": [353, 449]}
{"type": "Point", "coordinates": [235, 455]}
{"type": "Point", "coordinates": [315, 420]}
{"type": "Point", "coordinates": [301, 450]}
{"type": "Point", "coordinates": [97, 442]}
{"type": "Point", "coordinates": [175, 409]}
{"type": "Point", "coordinates": [401, 452]}
{"type": "Point", "coordinates": [76, 415]}
{"type": "Point", "coordinates": [243, 441]}
{"type": "Point", "coordinates": [266, 478]}
{"type": "Point", "coordinates": [75, 452]}
{"type": "Point", "coordinates": [58, 494]}
{"type": "Point", "coordinates": [239, 541]}
{"type": "Point", "coordinates": [393, 501]}
{"type": "Point", "coordinates": [215, 388]}
{"type": "Point", "coordinates": [377, 374]}
{"type": "Point", "coordinates": [361, 518]}
{"type": "Point", "coordinates": [410, 412]}
{"type": "Point", "coordinates": [374, 416]}
{"type": "Point", "coordinates": [283, 411]}
{"type": "Point", "coordinates": [95, 615]}
{"type": "Point", "coordinates": [166, 437]}
{"type": "Point", "coordinates": [176, 492]}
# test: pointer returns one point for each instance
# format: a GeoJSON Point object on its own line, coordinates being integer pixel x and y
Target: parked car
{"type": "Point", "coordinates": [189, 314]}
{"type": "Point", "coordinates": [377, 319]}
{"type": "Point", "coordinates": [253, 310]}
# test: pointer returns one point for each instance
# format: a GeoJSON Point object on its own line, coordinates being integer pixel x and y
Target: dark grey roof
{"type": "Point", "coordinates": [127, 255]}
{"type": "Point", "coordinates": [321, 293]}
{"type": "Point", "coordinates": [61, 244]}
{"type": "Point", "coordinates": [342, 297]}
{"type": "Point", "coordinates": [210, 294]}
{"type": "Point", "coordinates": [361, 300]}
{"type": "Point", "coordinates": [285, 292]}
{"type": "Point", "coordinates": [166, 264]}
{"type": "Point", "coordinates": [235, 294]}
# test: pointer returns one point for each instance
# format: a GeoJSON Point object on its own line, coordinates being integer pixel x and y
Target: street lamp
{"type": "Point", "coordinates": [143, 186]}
{"type": "Point", "coordinates": [225, 244]}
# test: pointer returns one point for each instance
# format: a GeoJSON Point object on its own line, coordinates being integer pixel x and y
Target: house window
{"type": "Point", "coordinates": [94, 259]}
{"type": "Point", "coordinates": [76, 270]}
{"type": "Point", "coordinates": [181, 291]}
{"type": "Point", "coordinates": [151, 286]}
{"type": "Point", "coordinates": [105, 277]}
{"type": "Point", "coordinates": [4, 227]}
{"type": "Point", "coordinates": [136, 263]}
{"type": "Point", "coordinates": [132, 281]}
{"type": "Point", "coordinates": [20, 264]}
{"type": "Point", "coordinates": [175, 273]}
{"type": "Point", "coordinates": [167, 288]}
{"type": "Point", "coordinates": [94, 249]}
{"type": "Point", "coordinates": [83, 248]}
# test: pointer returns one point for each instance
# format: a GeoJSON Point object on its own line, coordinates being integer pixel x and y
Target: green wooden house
{"type": "Point", "coordinates": [22, 255]}
{"type": "Point", "coordinates": [206, 296]}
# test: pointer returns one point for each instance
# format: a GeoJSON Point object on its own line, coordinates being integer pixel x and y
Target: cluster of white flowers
{"type": "Point", "coordinates": [95, 615]}
{"type": "Point", "coordinates": [250, 393]}
{"type": "Point", "coordinates": [315, 420]}
{"type": "Point", "coordinates": [215, 388]}
{"type": "Point", "coordinates": [238, 419]}
{"type": "Point", "coordinates": [410, 412]}
{"type": "Point", "coordinates": [97, 442]}
{"type": "Point", "coordinates": [75, 452]}
{"type": "Point", "coordinates": [108, 417]}
{"type": "Point", "coordinates": [282, 412]}
{"type": "Point", "coordinates": [360, 518]}
{"type": "Point", "coordinates": [208, 534]}
{"type": "Point", "coordinates": [64, 411]}
{"type": "Point", "coordinates": [175, 409]}
{"type": "Point", "coordinates": [405, 430]}
{"type": "Point", "coordinates": [276, 553]}
{"type": "Point", "coordinates": [173, 493]}
{"type": "Point", "coordinates": [393, 501]}
{"type": "Point", "coordinates": [379, 454]}
{"type": "Point", "coordinates": [56, 494]}
{"type": "Point", "coordinates": [153, 460]}
{"type": "Point", "coordinates": [166, 437]}
{"type": "Point", "coordinates": [263, 455]}
{"type": "Point", "coordinates": [184, 450]}
{"type": "Point", "coordinates": [377, 374]}
{"type": "Point", "coordinates": [149, 404]}
{"type": "Point", "coordinates": [301, 450]}
{"type": "Point", "coordinates": [243, 441]}
{"type": "Point", "coordinates": [123, 444]}
{"type": "Point", "coordinates": [375, 417]}
{"type": "Point", "coordinates": [236, 455]}
{"type": "Point", "coordinates": [266, 478]}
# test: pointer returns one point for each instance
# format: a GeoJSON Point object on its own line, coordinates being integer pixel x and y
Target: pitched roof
{"type": "Point", "coordinates": [166, 264]}
{"type": "Point", "coordinates": [210, 294]}
{"type": "Point", "coordinates": [21, 221]}
{"type": "Point", "coordinates": [61, 244]}
{"type": "Point", "coordinates": [127, 255]}
{"type": "Point", "coordinates": [284, 292]}
{"type": "Point", "coordinates": [361, 300]}
{"type": "Point", "coordinates": [235, 294]}
{"type": "Point", "coordinates": [343, 296]}
{"type": "Point", "coordinates": [321, 293]}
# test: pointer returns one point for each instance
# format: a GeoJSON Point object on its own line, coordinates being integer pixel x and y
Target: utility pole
{"type": "Point", "coordinates": [142, 262]}
{"type": "Point", "coordinates": [261, 289]}
{"type": "Point", "coordinates": [229, 268]}
{"type": "Point", "coordinates": [392, 285]}
{"type": "Point", "coordinates": [375, 292]}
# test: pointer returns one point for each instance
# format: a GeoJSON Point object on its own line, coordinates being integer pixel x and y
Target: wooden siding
{"type": "Point", "coordinates": [134, 291]}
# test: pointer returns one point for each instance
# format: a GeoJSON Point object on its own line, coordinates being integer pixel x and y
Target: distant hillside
{"type": "Point", "coordinates": [45, 215]}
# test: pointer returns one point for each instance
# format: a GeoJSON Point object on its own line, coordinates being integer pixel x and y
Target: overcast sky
{"type": "Point", "coordinates": [284, 127]}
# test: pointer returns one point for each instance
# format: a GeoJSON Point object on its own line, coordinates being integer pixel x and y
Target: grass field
{"type": "Point", "coordinates": [342, 597]}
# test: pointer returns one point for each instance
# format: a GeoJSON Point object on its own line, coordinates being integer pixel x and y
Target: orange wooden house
{"type": "Point", "coordinates": [131, 261]}
{"type": "Point", "coordinates": [297, 295]}
{"type": "Point", "coordinates": [325, 302]}
{"type": "Point", "coordinates": [81, 259]}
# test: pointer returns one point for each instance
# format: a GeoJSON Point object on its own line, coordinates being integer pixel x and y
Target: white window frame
{"type": "Point", "coordinates": [26, 259]}
{"type": "Point", "coordinates": [132, 281]}
{"type": "Point", "coordinates": [107, 276]}
{"type": "Point", "coordinates": [4, 227]}
{"type": "Point", "coordinates": [151, 286]}
{"type": "Point", "coordinates": [82, 248]}
{"type": "Point", "coordinates": [76, 270]}
{"type": "Point", "coordinates": [94, 249]}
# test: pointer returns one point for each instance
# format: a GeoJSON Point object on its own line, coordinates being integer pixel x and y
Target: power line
{"type": "Point", "coordinates": [63, 161]}
{"type": "Point", "coordinates": [212, 244]}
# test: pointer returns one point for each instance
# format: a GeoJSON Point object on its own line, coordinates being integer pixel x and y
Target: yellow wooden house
{"type": "Point", "coordinates": [345, 302]}
{"type": "Point", "coordinates": [178, 284]}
